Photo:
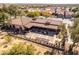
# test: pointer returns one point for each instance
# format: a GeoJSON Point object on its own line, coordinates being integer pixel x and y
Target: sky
{"type": "Point", "coordinates": [42, 1]}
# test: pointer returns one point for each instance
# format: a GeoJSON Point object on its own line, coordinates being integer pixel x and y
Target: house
{"type": "Point", "coordinates": [44, 26]}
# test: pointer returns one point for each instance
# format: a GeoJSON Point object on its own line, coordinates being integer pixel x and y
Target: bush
{"type": "Point", "coordinates": [30, 49]}
{"type": "Point", "coordinates": [7, 38]}
{"type": "Point", "coordinates": [20, 49]}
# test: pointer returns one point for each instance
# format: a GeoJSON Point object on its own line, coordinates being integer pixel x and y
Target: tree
{"type": "Point", "coordinates": [21, 49]}
{"type": "Point", "coordinates": [3, 17]}
{"type": "Point", "coordinates": [76, 22]}
{"type": "Point", "coordinates": [46, 14]}
{"type": "Point", "coordinates": [75, 10]}
{"type": "Point", "coordinates": [76, 15]}
{"type": "Point", "coordinates": [20, 13]}
{"type": "Point", "coordinates": [75, 31]}
{"type": "Point", "coordinates": [75, 34]}
{"type": "Point", "coordinates": [7, 12]}
{"type": "Point", "coordinates": [62, 30]}
{"type": "Point", "coordinates": [12, 10]}
{"type": "Point", "coordinates": [62, 34]}
{"type": "Point", "coordinates": [33, 14]}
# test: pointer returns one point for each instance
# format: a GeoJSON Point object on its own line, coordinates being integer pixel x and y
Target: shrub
{"type": "Point", "coordinates": [20, 49]}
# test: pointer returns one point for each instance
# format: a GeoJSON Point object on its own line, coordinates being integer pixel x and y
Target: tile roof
{"type": "Point", "coordinates": [28, 23]}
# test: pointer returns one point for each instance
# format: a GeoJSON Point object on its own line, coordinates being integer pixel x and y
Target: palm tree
{"type": "Point", "coordinates": [63, 34]}
{"type": "Point", "coordinates": [62, 30]}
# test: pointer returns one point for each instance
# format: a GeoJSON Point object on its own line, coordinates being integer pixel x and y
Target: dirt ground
{"type": "Point", "coordinates": [40, 50]}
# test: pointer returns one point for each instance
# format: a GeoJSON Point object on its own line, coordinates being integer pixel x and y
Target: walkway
{"type": "Point", "coordinates": [68, 23]}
